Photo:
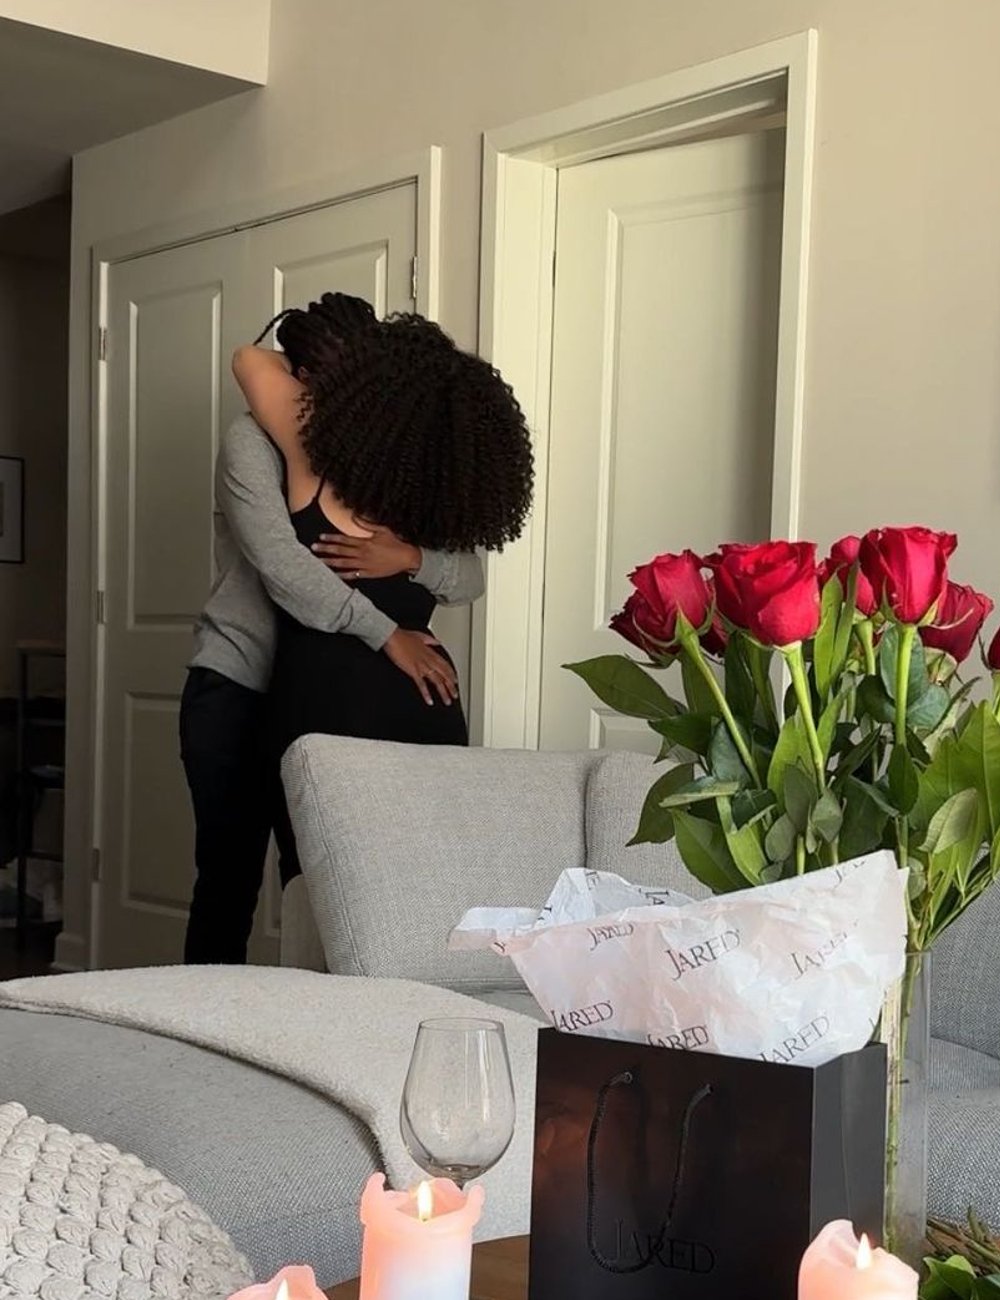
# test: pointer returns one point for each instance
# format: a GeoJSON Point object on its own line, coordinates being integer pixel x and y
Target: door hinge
{"type": "Point", "coordinates": [102, 343]}
{"type": "Point", "coordinates": [95, 865]}
{"type": "Point", "coordinates": [413, 280]}
{"type": "Point", "coordinates": [101, 609]}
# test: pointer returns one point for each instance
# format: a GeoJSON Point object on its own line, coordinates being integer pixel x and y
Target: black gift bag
{"type": "Point", "coordinates": [667, 1175]}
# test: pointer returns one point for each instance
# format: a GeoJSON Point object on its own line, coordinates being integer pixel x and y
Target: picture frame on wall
{"type": "Point", "coordinates": [11, 510]}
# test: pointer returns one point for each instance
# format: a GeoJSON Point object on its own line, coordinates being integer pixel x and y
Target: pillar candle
{"type": "Point", "coordinates": [839, 1267]}
{"type": "Point", "coordinates": [412, 1251]}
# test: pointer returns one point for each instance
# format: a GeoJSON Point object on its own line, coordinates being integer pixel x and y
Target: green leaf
{"type": "Point", "coordinates": [856, 757]}
{"type": "Point", "coordinates": [723, 756]}
{"type": "Point", "coordinates": [626, 687]}
{"type": "Point", "coordinates": [825, 644]}
{"type": "Point", "coordinates": [930, 710]}
{"type": "Point", "coordinates": [656, 825]}
{"type": "Point", "coordinates": [751, 805]}
{"type": "Point", "coordinates": [740, 693]}
{"type": "Point", "coordinates": [702, 845]}
{"type": "Point", "coordinates": [971, 760]}
{"type": "Point", "coordinates": [904, 781]}
{"type": "Point", "coordinates": [705, 787]}
{"type": "Point", "coordinates": [888, 658]}
{"type": "Point", "coordinates": [827, 817]}
{"type": "Point", "coordinates": [916, 882]}
{"type": "Point", "coordinates": [800, 795]}
{"type": "Point", "coordinates": [952, 823]}
{"type": "Point", "coordinates": [865, 818]}
{"type": "Point", "coordinates": [959, 827]}
{"type": "Point", "coordinates": [845, 625]}
{"type": "Point", "coordinates": [744, 843]}
{"type": "Point", "coordinates": [792, 747]}
{"type": "Point", "coordinates": [826, 728]}
{"type": "Point", "coordinates": [697, 691]}
{"type": "Point", "coordinates": [759, 659]}
{"type": "Point", "coordinates": [978, 755]}
{"type": "Point", "coordinates": [948, 1280]}
{"type": "Point", "coordinates": [779, 843]}
{"type": "Point", "coordinates": [691, 730]}
{"type": "Point", "coordinates": [875, 700]}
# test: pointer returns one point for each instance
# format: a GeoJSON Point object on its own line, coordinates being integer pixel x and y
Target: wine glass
{"type": "Point", "coordinates": [457, 1112]}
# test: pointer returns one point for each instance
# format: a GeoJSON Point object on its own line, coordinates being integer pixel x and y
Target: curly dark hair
{"type": "Point", "coordinates": [411, 432]}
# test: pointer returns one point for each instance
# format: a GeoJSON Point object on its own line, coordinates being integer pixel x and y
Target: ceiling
{"type": "Point", "coordinates": [60, 94]}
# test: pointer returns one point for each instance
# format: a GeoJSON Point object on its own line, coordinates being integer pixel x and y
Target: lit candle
{"type": "Point", "coordinates": [294, 1283]}
{"type": "Point", "coordinates": [839, 1267]}
{"type": "Point", "coordinates": [417, 1244]}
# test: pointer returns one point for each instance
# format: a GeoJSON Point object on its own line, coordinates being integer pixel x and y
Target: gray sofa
{"type": "Point", "coordinates": [396, 843]}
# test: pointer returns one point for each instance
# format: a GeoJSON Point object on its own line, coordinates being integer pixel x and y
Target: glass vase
{"type": "Point", "coordinates": [906, 1033]}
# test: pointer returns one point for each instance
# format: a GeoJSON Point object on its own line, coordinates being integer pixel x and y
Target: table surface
{"type": "Point", "coordinates": [499, 1272]}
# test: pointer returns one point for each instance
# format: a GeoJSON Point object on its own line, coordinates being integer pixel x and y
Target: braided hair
{"type": "Point", "coordinates": [411, 432]}
{"type": "Point", "coordinates": [305, 336]}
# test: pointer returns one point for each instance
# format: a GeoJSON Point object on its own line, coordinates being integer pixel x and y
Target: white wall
{"type": "Point", "coordinates": [34, 315]}
{"type": "Point", "coordinates": [227, 36]}
{"type": "Point", "coordinates": [903, 383]}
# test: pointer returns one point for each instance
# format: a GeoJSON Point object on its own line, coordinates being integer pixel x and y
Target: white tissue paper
{"type": "Point", "coordinates": [795, 972]}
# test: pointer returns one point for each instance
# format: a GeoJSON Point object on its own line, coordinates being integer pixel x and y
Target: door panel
{"type": "Point", "coordinates": [172, 456]}
{"type": "Point", "coordinates": [364, 247]}
{"type": "Point", "coordinates": [174, 319]}
{"type": "Point", "coordinates": [169, 329]}
{"type": "Point", "coordinates": [662, 413]}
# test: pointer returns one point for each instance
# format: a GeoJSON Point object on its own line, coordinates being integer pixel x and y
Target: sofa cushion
{"type": "Point", "coordinates": [616, 790]}
{"type": "Point", "coordinates": [965, 978]}
{"type": "Point", "coordinates": [955, 1069]}
{"type": "Point", "coordinates": [964, 1154]}
{"type": "Point", "coordinates": [398, 841]}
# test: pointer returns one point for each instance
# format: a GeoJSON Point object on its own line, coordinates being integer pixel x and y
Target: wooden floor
{"type": "Point", "coordinates": [34, 959]}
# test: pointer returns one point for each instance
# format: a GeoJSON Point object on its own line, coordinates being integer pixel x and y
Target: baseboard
{"type": "Point", "coordinates": [71, 954]}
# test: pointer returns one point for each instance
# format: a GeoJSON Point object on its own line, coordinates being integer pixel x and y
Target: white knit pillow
{"type": "Point", "coordinates": [80, 1220]}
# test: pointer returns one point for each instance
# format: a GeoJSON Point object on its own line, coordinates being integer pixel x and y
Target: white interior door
{"type": "Point", "coordinates": [663, 382]}
{"type": "Point", "coordinates": [363, 247]}
{"type": "Point", "coordinates": [170, 335]}
{"type": "Point", "coordinates": [174, 318]}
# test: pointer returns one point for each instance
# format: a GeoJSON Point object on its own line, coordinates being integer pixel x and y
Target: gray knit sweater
{"type": "Point", "coordinates": [261, 560]}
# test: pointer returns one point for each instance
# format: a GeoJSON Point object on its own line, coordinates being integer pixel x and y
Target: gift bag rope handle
{"type": "Point", "coordinates": [626, 1079]}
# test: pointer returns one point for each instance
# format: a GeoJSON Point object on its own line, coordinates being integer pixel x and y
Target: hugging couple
{"type": "Point", "coordinates": [376, 459]}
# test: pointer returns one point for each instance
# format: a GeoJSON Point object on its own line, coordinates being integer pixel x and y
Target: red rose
{"type": "Point", "coordinates": [771, 590]}
{"type": "Point", "coordinates": [725, 566]}
{"type": "Point", "coordinates": [908, 569]}
{"type": "Point", "coordinates": [628, 621]}
{"type": "Point", "coordinates": [663, 587]}
{"type": "Point", "coordinates": [993, 653]}
{"type": "Point", "coordinates": [843, 557]}
{"type": "Point", "coordinates": [959, 620]}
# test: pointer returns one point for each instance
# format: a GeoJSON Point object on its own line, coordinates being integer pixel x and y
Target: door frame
{"type": "Point", "coordinates": [80, 948]}
{"type": "Point", "coordinates": [520, 172]}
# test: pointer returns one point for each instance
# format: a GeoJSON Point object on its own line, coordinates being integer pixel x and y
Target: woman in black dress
{"type": "Point", "coordinates": [382, 425]}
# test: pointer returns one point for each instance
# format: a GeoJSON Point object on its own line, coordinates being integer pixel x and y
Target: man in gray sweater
{"type": "Point", "coordinates": [262, 564]}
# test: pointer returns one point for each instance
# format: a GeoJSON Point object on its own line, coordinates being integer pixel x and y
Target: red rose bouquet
{"type": "Point", "coordinates": [821, 716]}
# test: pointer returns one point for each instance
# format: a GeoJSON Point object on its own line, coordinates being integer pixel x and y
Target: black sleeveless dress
{"type": "Point", "coordinates": [333, 683]}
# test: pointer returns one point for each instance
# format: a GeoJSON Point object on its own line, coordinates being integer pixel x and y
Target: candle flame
{"type": "Point", "coordinates": [282, 1291]}
{"type": "Point", "coordinates": [425, 1202]}
{"type": "Point", "coordinates": [864, 1259]}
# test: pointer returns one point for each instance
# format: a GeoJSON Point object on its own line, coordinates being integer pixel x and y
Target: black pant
{"type": "Point", "coordinates": [236, 792]}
